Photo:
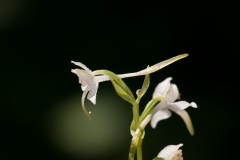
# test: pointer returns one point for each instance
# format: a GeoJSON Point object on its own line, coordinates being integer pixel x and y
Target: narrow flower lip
{"type": "Point", "coordinates": [170, 151]}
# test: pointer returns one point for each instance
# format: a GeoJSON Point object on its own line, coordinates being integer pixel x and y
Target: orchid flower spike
{"type": "Point", "coordinates": [171, 152]}
{"type": "Point", "coordinates": [90, 80]}
{"type": "Point", "coordinates": [169, 93]}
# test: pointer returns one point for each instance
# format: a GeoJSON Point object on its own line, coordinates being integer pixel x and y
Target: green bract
{"type": "Point", "coordinates": [120, 87]}
{"type": "Point", "coordinates": [145, 86]}
{"type": "Point", "coordinates": [140, 93]}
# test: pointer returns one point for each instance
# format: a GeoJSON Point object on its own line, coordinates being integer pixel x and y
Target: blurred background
{"type": "Point", "coordinates": [41, 115]}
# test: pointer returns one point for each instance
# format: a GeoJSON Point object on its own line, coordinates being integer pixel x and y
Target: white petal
{"type": "Point", "coordinates": [193, 104]}
{"type": "Point", "coordinates": [169, 151]}
{"type": "Point", "coordinates": [93, 93]}
{"type": "Point", "coordinates": [84, 87]}
{"type": "Point", "coordinates": [160, 106]}
{"type": "Point", "coordinates": [84, 77]}
{"type": "Point", "coordinates": [187, 120]}
{"type": "Point", "coordinates": [93, 99]}
{"type": "Point", "coordinates": [180, 105]}
{"type": "Point", "coordinates": [162, 88]}
{"type": "Point", "coordinates": [83, 105]}
{"type": "Point", "coordinates": [160, 115]}
{"type": "Point", "coordinates": [83, 66]}
{"type": "Point", "coordinates": [172, 93]}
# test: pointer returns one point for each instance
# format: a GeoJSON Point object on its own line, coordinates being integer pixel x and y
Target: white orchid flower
{"type": "Point", "coordinates": [90, 81]}
{"type": "Point", "coordinates": [169, 93]}
{"type": "Point", "coordinates": [171, 152]}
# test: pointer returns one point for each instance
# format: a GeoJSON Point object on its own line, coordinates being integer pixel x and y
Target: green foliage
{"type": "Point", "coordinates": [120, 87]}
{"type": "Point", "coordinates": [122, 93]}
{"type": "Point", "coordinates": [145, 86]}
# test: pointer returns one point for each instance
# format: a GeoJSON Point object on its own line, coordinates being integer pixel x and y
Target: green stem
{"type": "Point", "coordinates": [136, 121]}
{"type": "Point", "coordinates": [139, 147]}
{"type": "Point", "coordinates": [136, 115]}
{"type": "Point", "coordinates": [139, 150]}
{"type": "Point", "coordinates": [137, 138]}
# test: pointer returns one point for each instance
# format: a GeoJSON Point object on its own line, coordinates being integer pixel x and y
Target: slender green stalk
{"type": "Point", "coordinates": [136, 121]}
{"type": "Point", "coordinates": [139, 149]}
{"type": "Point", "coordinates": [136, 115]}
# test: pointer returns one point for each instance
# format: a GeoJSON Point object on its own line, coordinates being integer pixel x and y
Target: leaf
{"type": "Point", "coordinates": [122, 93]}
{"type": "Point", "coordinates": [116, 79]}
{"type": "Point", "coordinates": [145, 86]}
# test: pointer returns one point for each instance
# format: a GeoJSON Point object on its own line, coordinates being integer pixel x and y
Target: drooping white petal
{"type": "Point", "coordinates": [93, 92]}
{"type": "Point", "coordinates": [169, 151]}
{"type": "Point", "coordinates": [186, 119]}
{"type": "Point", "coordinates": [83, 105]}
{"type": "Point", "coordinates": [172, 93]}
{"type": "Point", "coordinates": [162, 88]}
{"type": "Point", "coordinates": [83, 66]}
{"type": "Point", "coordinates": [160, 115]}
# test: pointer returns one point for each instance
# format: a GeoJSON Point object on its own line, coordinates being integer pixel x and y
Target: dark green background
{"type": "Point", "coordinates": [38, 39]}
